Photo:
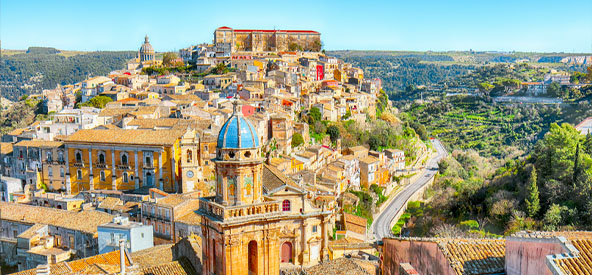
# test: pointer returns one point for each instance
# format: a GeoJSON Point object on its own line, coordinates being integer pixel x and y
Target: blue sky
{"type": "Point", "coordinates": [438, 25]}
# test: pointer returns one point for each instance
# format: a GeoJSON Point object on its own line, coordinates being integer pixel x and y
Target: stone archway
{"type": "Point", "coordinates": [253, 258]}
{"type": "Point", "coordinates": [286, 252]}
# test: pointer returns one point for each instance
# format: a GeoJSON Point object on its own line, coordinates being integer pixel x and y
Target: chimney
{"type": "Point", "coordinates": [122, 256]}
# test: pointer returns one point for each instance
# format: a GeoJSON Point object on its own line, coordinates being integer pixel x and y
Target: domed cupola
{"type": "Point", "coordinates": [237, 132]}
{"type": "Point", "coordinates": [146, 51]}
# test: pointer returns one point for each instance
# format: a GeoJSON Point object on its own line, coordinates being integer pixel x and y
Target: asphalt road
{"type": "Point", "coordinates": [381, 226]}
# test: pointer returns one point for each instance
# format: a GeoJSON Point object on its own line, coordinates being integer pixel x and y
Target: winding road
{"type": "Point", "coordinates": [381, 226]}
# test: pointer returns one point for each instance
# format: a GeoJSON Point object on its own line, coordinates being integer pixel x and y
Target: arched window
{"type": "Point", "coordinates": [102, 175]}
{"type": "Point", "coordinates": [79, 174]}
{"type": "Point", "coordinates": [49, 158]}
{"type": "Point", "coordinates": [101, 158]}
{"type": "Point", "coordinates": [60, 156]}
{"type": "Point", "coordinates": [124, 159]}
{"type": "Point", "coordinates": [125, 177]}
{"type": "Point", "coordinates": [189, 156]}
{"type": "Point", "coordinates": [78, 157]}
{"type": "Point", "coordinates": [286, 205]}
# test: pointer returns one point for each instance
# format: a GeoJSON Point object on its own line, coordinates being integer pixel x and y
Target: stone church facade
{"type": "Point", "coordinates": [258, 219]}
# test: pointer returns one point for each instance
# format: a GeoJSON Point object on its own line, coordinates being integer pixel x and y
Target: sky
{"type": "Point", "coordinates": [419, 25]}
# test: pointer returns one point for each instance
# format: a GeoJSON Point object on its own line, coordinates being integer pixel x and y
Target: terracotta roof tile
{"type": "Point", "coordinates": [580, 263]}
{"type": "Point", "coordinates": [108, 262]}
{"type": "Point", "coordinates": [38, 143]}
{"type": "Point", "coordinates": [5, 148]}
{"type": "Point", "coordinates": [173, 268]}
{"type": "Point", "coordinates": [126, 136]}
{"type": "Point", "coordinates": [273, 178]}
{"type": "Point", "coordinates": [153, 256]}
{"type": "Point", "coordinates": [85, 221]}
{"type": "Point", "coordinates": [474, 256]}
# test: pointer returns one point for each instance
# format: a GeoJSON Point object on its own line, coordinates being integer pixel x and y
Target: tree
{"type": "Point", "coordinates": [553, 216]}
{"type": "Point", "coordinates": [485, 87]}
{"type": "Point", "coordinates": [589, 74]}
{"type": "Point", "coordinates": [315, 114]}
{"type": "Point", "coordinates": [294, 47]}
{"type": "Point", "coordinates": [554, 89]}
{"type": "Point", "coordinates": [588, 144]}
{"type": "Point", "coordinates": [168, 59]}
{"type": "Point", "coordinates": [97, 102]}
{"type": "Point", "coordinates": [221, 68]}
{"type": "Point", "coordinates": [347, 115]}
{"type": "Point", "coordinates": [333, 133]}
{"type": "Point", "coordinates": [532, 198]}
{"type": "Point", "coordinates": [297, 139]}
{"type": "Point", "coordinates": [577, 169]}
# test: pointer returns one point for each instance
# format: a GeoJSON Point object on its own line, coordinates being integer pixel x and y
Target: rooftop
{"type": "Point", "coordinates": [85, 221]}
{"type": "Point", "coordinates": [38, 143]}
{"type": "Point", "coordinates": [126, 136]}
{"type": "Point", "coordinates": [474, 256]}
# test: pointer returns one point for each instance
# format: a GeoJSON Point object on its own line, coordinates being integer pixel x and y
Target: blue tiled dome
{"type": "Point", "coordinates": [229, 136]}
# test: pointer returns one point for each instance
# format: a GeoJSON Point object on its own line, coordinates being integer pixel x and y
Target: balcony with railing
{"type": "Point", "coordinates": [123, 166]}
{"type": "Point", "coordinates": [102, 165]}
{"type": "Point", "coordinates": [78, 164]}
{"type": "Point", "coordinates": [267, 207]}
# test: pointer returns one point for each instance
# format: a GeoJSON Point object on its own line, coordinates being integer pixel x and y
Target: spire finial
{"type": "Point", "coordinates": [146, 39]}
{"type": "Point", "coordinates": [236, 106]}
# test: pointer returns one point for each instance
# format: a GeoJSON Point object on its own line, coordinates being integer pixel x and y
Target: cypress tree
{"type": "Point", "coordinates": [532, 197]}
{"type": "Point", "coordinates": [576, 169]}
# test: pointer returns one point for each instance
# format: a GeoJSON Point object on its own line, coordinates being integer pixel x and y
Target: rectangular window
{"type": "Point", "coordinates": [61, 172]}
{"type": "Point", "coordinates": [314, 229]}
{"type": "Point", "coordinates": [166, 213]}
{"type": "Point", "coordinates": [50, 172]}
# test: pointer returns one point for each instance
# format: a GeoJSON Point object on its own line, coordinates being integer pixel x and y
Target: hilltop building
{"type": "Point", "coordinates": [146, 52]}
{"type": "Point", "coordinates": [228, 40]}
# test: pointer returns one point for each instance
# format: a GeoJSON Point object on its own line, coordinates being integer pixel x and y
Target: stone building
{"type": "Point", "coordinates": [258, 217]}
{"type": "Point", "coordinates": [118, 159]}
{"type": "Point", "coordinates": [228, 40]}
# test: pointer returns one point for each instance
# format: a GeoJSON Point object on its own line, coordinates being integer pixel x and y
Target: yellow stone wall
{"type": "Point", "coordinates": [78, 185]}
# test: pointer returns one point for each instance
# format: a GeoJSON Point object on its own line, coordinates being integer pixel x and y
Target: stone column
{"type": "Point", "coordinates": [305, 257]}
{"type": "Point", "coordinates": [173, 168]}
{"type": "Point", "coordinates": [67, 172]}
{"type": "Point", "coordinates": [239, 188]}
{"type": "Point", "coordinates": [325, 250]}
{"type": "Point", "coordinates": [137, 178]}
{"type": "Point", "coordinates": [113, 176]}
{"type": "Point", "coordinates": [91, 182]}
{"type": "Point", "coordinates": [160, 180]}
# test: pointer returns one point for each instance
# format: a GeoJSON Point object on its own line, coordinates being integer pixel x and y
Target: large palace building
{"type": "Point", "coordinates": [118, 159]}
{"type": "Point", "coordinates": [228, 40]}
{"type": "Point", "coordinates": [258, 218]}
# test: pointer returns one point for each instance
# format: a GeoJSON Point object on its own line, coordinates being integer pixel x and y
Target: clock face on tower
{"type": "Point", "coordinates": [190, 174]}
